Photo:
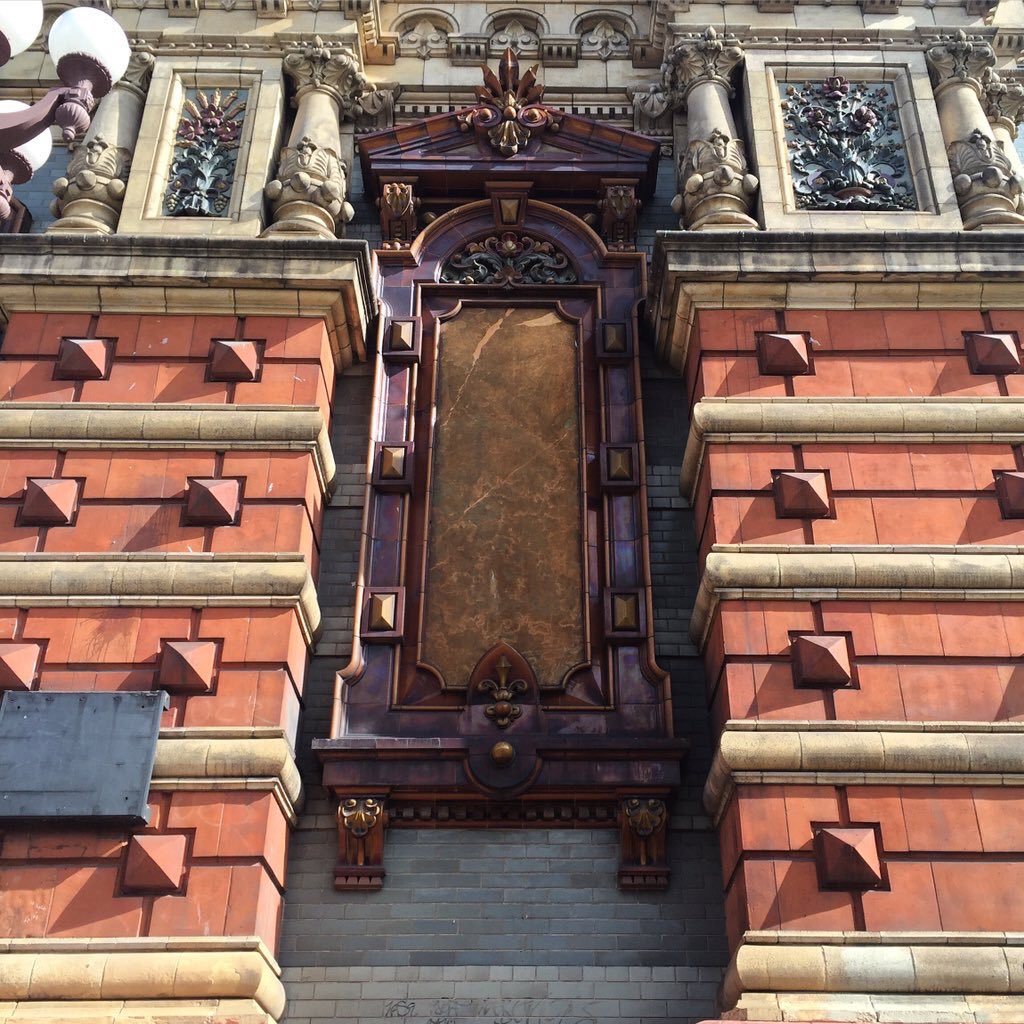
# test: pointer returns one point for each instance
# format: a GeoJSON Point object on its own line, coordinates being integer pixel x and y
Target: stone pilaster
{"type": "Point", "coordinates": [988, 185]}
{"type": "Point", "coordinates": [89, 198]}
{"type": "Point", "coordinates": [308, 194]}
{"type": "Point", "coordinates": [716, 187]}
{"type": "Point", "coordinates": [1004, 105]}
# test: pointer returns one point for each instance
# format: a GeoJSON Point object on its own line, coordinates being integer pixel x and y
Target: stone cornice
{"type": "Point", "coordinates": [79, 972]}
{"type": "Point", "coordinates": [827, 270]}
{"type": "Point", "coordinates": [232, 276]}
{"type": "Point", "coordinates": [86, 425]}
{"type": "Point", "coordinates": [229, 758]}
{"type": "Point", "coordinates": [845, 753]}
{"type": "Point", "coordinates": [30, 580]}
{"type": "Point", "coordinates": [982, 963]}
{"type": "Point", "coordinates": [926, 420]}
{"type": "Point", "coordinates": [864, 573]}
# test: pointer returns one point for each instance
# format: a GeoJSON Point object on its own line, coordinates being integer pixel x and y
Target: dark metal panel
{"type": "Point", "coordinates": [78, 755]}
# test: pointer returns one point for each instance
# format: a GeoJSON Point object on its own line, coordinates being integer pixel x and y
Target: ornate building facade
{"type": "Point", "coordinates": [512, 515]}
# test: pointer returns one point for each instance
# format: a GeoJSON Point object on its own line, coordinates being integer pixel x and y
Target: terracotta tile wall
{"type": "Point", "coordinates": [65, 882]}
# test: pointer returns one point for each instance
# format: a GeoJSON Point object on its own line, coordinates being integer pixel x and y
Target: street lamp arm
{"type": "Point", "coordinates": [20, 126]}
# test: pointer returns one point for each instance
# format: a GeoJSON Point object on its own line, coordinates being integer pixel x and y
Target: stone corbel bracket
{"type": "Point", "coordinates": [846, 420]}
{"type": "Point", "coordinates": [846, 753]}
{"type": "Point", "coordinates": [833, 572]}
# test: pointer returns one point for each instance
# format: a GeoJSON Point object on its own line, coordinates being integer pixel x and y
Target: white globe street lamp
{"type": "Point", "coordinates": [90, 53]}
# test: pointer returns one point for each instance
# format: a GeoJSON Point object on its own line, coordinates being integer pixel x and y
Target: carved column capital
{"type": "Point", "coordinates": [1003, 101]}
{"type": "Point", "coordinates": [334, 71]}
{"type": "Point", "coordinates": [706, 58]}
{"type": "Point", "coordinates": [957, 60]}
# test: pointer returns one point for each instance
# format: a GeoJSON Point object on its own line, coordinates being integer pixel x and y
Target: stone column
{"type": "Point", "coordinates": [987, 184]}
{"type": "Point", "coordinates": [716, 188]}
{"type": "Point", "coordinates": [308, 194]}
{"type": "Point", "coordinates": [1004, 105]}
{"type": "Point", "coordinates": [89, 198]}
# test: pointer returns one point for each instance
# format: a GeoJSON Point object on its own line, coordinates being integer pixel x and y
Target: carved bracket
{"type": "Point", "coordinates": [619, 208]}
{"type": "Point", "coordinates": [397, 205]}
{"type": "Point", "coordinates": [361, 823]}
{"type": "Point", "coordinates": [643, 823]}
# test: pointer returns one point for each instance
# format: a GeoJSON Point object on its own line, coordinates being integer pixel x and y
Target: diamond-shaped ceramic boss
{"type": "Point", "coordinates": [783, 354]}
{"type": "Point", "coordinates": [996, 352]}
{"type": "Point", "coordinates": [820, 659]}
{"type": "Point", "coordinates": [234, 360]}
{"type": "Point", "coordinates": [83, 359]}
{"type": "Point", "coordinates": [802, 494]}
{"type": "Point", "coordinates": [19, 664]}
{"type": "Point", "coordinates": [848, 857]}
{"type": "Point", "coordinates": [187, 666]}
{"type": "Point", "coordinates": [155, 863]}
{"type": "Point", "coordinates": [212, 501]}
{"type": "Point", "coordinates": [50, 501]}
{"type": "Point", "coordinates": [1010, 492]}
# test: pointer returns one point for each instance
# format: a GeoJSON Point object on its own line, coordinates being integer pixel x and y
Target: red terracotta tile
{"type": "Point", "coordinates": [855, 329]}
{"type": "Point", "coordinates": [807, 804]}
{"type": "Point", "coordinates": [32, 381]}
{"type": "Point", "coordinates": [971, 630]}
{"type": "Point", "coordinates": [1000, 905]}
{"type": "Point", "coordinates": [881, 804]}
{"type": "Point", "coordinates": [940, 819]}
{"type": "Point", "coordinates": [203, 907]}
{"type": "Point", "coordinates": [208, 327]}
{"type": "Point", "coordinates": [918, 520]}
{"type": "Point", "coordinates": [1011, 703]}
{"type": "Point", "coordinates": [1000, 814]}
{"type": "Point", "coordinates": [802, 905]}
{"type": "Point", "coordinates": [762, 817]}
{"type": "Point", "coordinates": [743, 627]}
{"type": "Point", "coordinates": [854, 523]}
{"type": "Point", "coordinates": [25, 336]}
{"type": "Point", "coordinates": [103, 635]}
{"type": "Point", "coordinates": [851, 617]}
{"type": "Point", "coordinates": [164, 337]}
{"type": "Point", "coordinates": [186, 382]}
{"type": "Point", "coordinates": [777, 698]}
{"type": "Point", "coordinates": [909, 905]}
{"type": "Point", "coordinates": [84, 905]}
{"type": "Point", "coordinates": [761, 892]}
{"type": "Point", "coordinates": [909, 627]}
{"type": "Point", "coordinates": [945, 468]}
{"type": "Point", "coordinates": [878, 697]}
{"type": "Point", "coordinates": [130, 381]}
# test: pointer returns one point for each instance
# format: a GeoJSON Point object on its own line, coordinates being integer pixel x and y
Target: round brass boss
{"type": "Point", "coordinates": [503, 753]}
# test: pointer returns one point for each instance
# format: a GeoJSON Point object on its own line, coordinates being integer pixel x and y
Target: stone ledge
{"type": "Point", "coordinates": [901, 963]}
{"type": "Point", "coordinates": [87, 971]}
{"type": "Point", "coordinates": [847, 420]}
{"type": "Point", "coordinates": [871, 752]}
{"type": "Point", "coordinates": [151, 579]}
{"type": "Point", "coordinates": [229, 759]}
{"type": "Point", "coordinates": [82, 425]}
{"type": "Point", "coordinates": [864, 572]}
{"type": "Point", "coordinates": [136, 1011]}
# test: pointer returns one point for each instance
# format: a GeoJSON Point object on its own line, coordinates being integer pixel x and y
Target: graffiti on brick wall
{"type": "Point", "coordinates": [489, 1011]}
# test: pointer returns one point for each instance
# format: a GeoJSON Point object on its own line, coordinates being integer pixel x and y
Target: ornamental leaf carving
{"type": "Point", "coordinates": [959, 59]}
{"type": "Point", "coordinates": [705, 58]}
{"type": "Point", "coordinates": [510, 110]}
{"type": "Point", "coordinates": [335, 70]}
{"type": "Point", "coordinates": [508, 260]}
{"type": "Point", "coordinates": [1003, 101]}
{"type": "Point", "coordinates": [359, 816]}
{"type": "Point", "coordinates": [846, 146]}
{"type": "Point", "coordinates": [645, 817]}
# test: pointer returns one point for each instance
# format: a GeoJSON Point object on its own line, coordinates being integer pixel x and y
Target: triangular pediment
{"type": "Point", "coordinates": [451, 156]}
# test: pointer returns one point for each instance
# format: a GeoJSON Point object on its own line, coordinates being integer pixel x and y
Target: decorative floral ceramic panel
{"type": "Point", "coordinates": [205, 153]}
{"type": "Point", "coordinates": [846, 146]}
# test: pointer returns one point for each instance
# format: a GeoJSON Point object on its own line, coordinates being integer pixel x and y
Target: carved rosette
{"type": "Point", "coordinates": [89, 197]}
{"type": "Point", "coordinates": [308, 195]}
{"type": "Point", "coordinates": [987, 183]}
{"type": "Point", "coordinates": [717, 186]}
{"type": "Point", "coordinates": [510, 111]}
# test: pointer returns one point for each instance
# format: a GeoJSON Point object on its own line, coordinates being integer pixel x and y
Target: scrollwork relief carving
{"type": "Point", "coordinates": [508, 260]}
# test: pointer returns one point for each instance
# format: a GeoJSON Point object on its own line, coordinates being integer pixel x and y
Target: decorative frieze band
{"type": "Point", "coordinates": [847, 420]}
{"type": "Point", "coordinates": [901, 753]}
{"type": "Point", "coordinates": [86, 425]}
{"type": "Point", "coordinates": [81, 972]}
{"type": "Point", "coordinates": [834, 572]}
{"type": "Point", "coordinates": [952, 965]}
{"type": "Point", "coordinates": [29, 580]}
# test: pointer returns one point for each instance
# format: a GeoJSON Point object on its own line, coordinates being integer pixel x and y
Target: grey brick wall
{"type": "Point", "coordinates": [499, 927]}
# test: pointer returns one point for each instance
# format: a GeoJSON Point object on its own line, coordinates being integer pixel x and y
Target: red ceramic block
{"type": "Point", "coordinates": [188, 666]}
{"type": "Point", "coordinates": [783, 354]}
{"type": "Point", "coordinates": [802, 494]}
{"type": "Point", "coordinates": [234, 360]}
{"type": "Point", "coordinates": [1010, 491]}
{"type": "Point", "coordinates": [50, 502]}
{"type": "Point", "coordinates": [821, 660]}
{"type": "Point", "coordinates": [19, 664]}
{"type": "Point", "coordinates": [213, 501]}
{"type": "Point", "coordinates": [83, 359]}
{"type": "Point", "coordinates": [848, 858]}
{"type": "Point", "coordinates": [995, 353]}
{"type": "Point", "coordinates": [155, 864]}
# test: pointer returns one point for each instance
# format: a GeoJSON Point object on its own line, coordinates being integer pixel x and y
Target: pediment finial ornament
{"type": "Point", "coordinates": [510, 111]}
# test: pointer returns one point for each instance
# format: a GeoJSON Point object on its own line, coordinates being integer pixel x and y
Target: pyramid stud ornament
{"type": "Point", "coordinates": [783, 354]}
{"type": "Point", "coordinates": [187, 666]}
{"type": "Point", "coordinates": [19, 664]}
{"type": "Point", "coordinates": [993, 353]}
{"type": "Point", "coordinates": [212, 501]}
{"type": "Point", "coordinates": [49, 502]}
{"type": "Point", "coordinates": [82, 359]}
{"type": "Point", "coordinates": [234, 360]}
{"type": "Point", "coordinates": [821, 660]}
{"type": "Point", "coordinates": [154, 863]}
{"type": "Point", "coordinates": [848, 858]}
{"type": "Point", "coordinates": [1010, 492]}
{"type": "Point", "coordinates": [802, 495]}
